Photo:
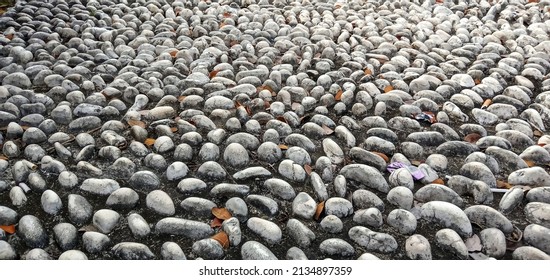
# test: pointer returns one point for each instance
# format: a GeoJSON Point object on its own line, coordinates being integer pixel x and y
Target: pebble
{"type": "Point", "coordinates": [336, 247]}
{"type": "Point", "coordinates": [132, 251]}
{"type": "Point", "coordinates": [172, 251]}
{"type": "Point", "coordinates": [537, 213]}
{"type": "Point", "coordinates": [488, 217]}
{"type": "Point", "coordinates": [105, 220]}
{"type": "Point", "coordinates": [447, 215]}
{"type": "Point", "coordinates": [37, 254]}
{"type": "Point", "coordinates": [123, 198]}
{"type": "Point", "coordinates": [32, 232]}
{"type": "Point", "coordinates": [253, 250]}
{"type": "Point", "coordinates": [401, 197]}
{"type": "Point", "coordinates": [449, 240]}
{"type": "Point", "coordinates": [95, 242]}
{"type": "Point", "coordinates": [268, 230]}
{"type": "Point", "coordinates": [6, 251]}
{"type": "Point", "coordinates": [304, 206]}
{"type": "Point", "coordinates": [209, 249]}
{"type": "Point", "coordinates": [418, 247]}
{"type": "Point", "coordinates": [188, 228]}
{"type": "Point", "coordinates": [529, 253]}
{"type": "Point", "coordinates": [232, 227]}
{"type": "Point", "coordinates": [51, 202]}
{"type": "Point", "coordinates": [76, 255]}
{"type": "Point", "coordinates": [494, 242]}
{"type": "Point", "coordinates": [138, 226]}
{"type": "Point", "coordinates": [66, 236]}
{"type": "Point", "coordinates": [99, 186]}
{"type": "Point", "coordinates": [373, 241]}
{"type": "Point", "coordinates": [371, 217]}
{"type": "Point", "coordinates": [402, 220]}
{"type": "Point", "coordinates": [365, 175]}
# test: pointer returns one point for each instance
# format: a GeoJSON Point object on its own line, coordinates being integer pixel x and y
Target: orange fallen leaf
{"type": "Point", "coordinates": [503, 185]}
{"type": "Point", "coordinates": [438, 181]}
{"type": "Point", "coordinates": [472, 138]}
{"type": "Point", "coordinates": [537, 133]}
{"type": "Point", "coordinates": [383, 156]}
{"type": "Point", "coordinates": [4, 157]}
{"type": "Point", "coordinates": [416, 162]}
{"type": "Point", "coordinates": [238, 104]}
{"type": "Point", "coordinates": [9, 36]}
{"type": "Point", "coordinates": [226, 14]}
{"type": "Point", "coordinates": [222, 238]}
{"type": "Point", "coordinates": [477, 81]}
{"type": "Point", "coordinates": [486, 103]}
{"type": "Point", "coordinates": [529, 163]}
{"type": "Point", "coordinates": [267, 105]}
{"type": "Point", "coordinates": [181, 98]}
{"type": "Point", "coordinates": [221, 213]}
{"type": "Point", "coordinates": [173, 53]}
{"type": "Point", "coordinates": [328, 130]}
{"type": "Point", "coordinates": [248, 110]}
{"type": "Point", "coordinates": [174, 129]}
{"type": "Point", "coordinates": [338, 96]}
{"type": "Point", "coordinates": [9, 229]}
{"type": "Point", "coordinates": [136, 122]}
{"type": "Point", "coordinates": [282, 119]}
{"type": "Point", "coordinates": [213, 73]}
{"type": "Point", "coordinates": [319, 210]}
{"type": "Point", "coordinates": [283, 147]}
{"type": "Point", "coordinates": [533, 1]}
{"type": "Point", "coordinates": [149, 142]}
{"type": "Point", "coordinates": [222, 24]}
{"type": "Point", "coordinates": [308, 169]}
{"type": "Point", "coordinates": [388, 89]}
{"type": "Point", "coordinates": [216, 223]}
{"type": "Point", "coordinates": [368, 71]}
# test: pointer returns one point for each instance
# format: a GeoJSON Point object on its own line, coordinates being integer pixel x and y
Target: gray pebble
{"type": "Point", "coordinates": [73, 255]}
{"type": "Point", "coordinates": [538, 213]}
{"type": "Point", "coordinates": [160, 202]}
{"type": "Point", "coordinates": [304, 206]}
{"type": "Point", "coordinates": [31, 230]}
{"type": "Point", "coordinates": [494, 242]}
{"type": "Point", "coordinates": [450, 241]}
{"type": "Point", "coordinates": [268, 230]}
{"type": "Point", "coordinates": [105, 220]}
{"type": "Point", "coordinates": [188, 228]}
{"type": "Point", "coordinates": [95, 242]}
{"type": "Point", "coordinates": [253, 250]}
{"type": "Point", "coordinates": [80, 210]}
{"type": "Point", "coordinates": [336, 247]}
{"type": "Point", "coordinates": [371, 217]}
{"type": "Point", "coordinates": [402, 220]}
{"type": "Point", "coordinates": [66, 236]}
{"type": "Point", "coordinates": [138, 226]}
{"type": "Point", "coordinates": [373, 241]}
{"type": "Point", "coordinates": [171, 251]}
{"type": "Point", "coordinates": [132, 251]}
{"type": "Point", "coordinates": [300, 233]}
{"type": "Point", "coordinates": [208, 249]}
{"type": "Point", "coordinates": [418, 247]}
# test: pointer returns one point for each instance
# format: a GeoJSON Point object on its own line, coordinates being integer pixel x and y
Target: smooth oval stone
{"type": "Point", "coordinates": [304, 206]}
{"type": "Point", "coordinates": [493, 241]}
{"type": "Point", "coordinates": [450, 241]}
{"type": "Point", "coordinates": [160, 202]}
{"type": "Point", "coordinates": [123, 198]}
{"type": "Point", "coordinates": [138, 226]}
{"type": "Point", "coordinates": [538, 213]}
{"type": "Point", "coordinates": [269, 152]}
{"type": "Point", "coordinates": [176, 171]}
{"type": "Point", "coordinates": [373, 241]}
{"type": "Point", "coordinates": [541, 194]}
{"type": "Point", "coordinates": [301, 234]}
{"type": "Point", "coordinates": [132, 251]}
{"type": "Point", "coordinates": [73, 255]}
{"type": "Point", "coordinates": [80, 210]}
{"type": "Point", "coordinates": [188, 228]}
{"type": "Point", "coordinates": [339, 207]}
{"type": "Point", "coordinates": [51, 202]}
{"type": "Point", "coordinates": [211, 170]}
{"type": "Point", "coordinates": [487, 217]}
{"type": "Point", "coordinates": [336, 247]}
{"type": "Point", "coordinates": [511, 199]}
{"type": "Point", "coordinates": [365, 157]}
{"type": "Point", "coordinates": [366, 176]}
{"type": "Point", "coordinates": [209, 249]}
{"type": "Point", "coordinates": [32, 232]}
{"type": "Point", "coordinates": [402, 220]}
{"type": "Point", "coordinates": [529, 253]}
{"type": "Point", "coordinates": [507, 160]}
{"type": "Point", "coordinates": [436, 192]}
{"type": "Point", "coordinates": [37, 254]}
{"type": "Point", "coordinates": [198, 206]}
{"type": "Point", "coordinates": [538, 237]}
{"type": "Point", "coordinates": [447, 215]}
{"type": "Point", "coordinates": [229, 190]}
{"type": "Point", "coordinates": [253, 250]}
{"type": "Point", "coordinates": [533, 176]}
{"type": "Point", "coordinates": [364, 199]}
{"type": "Point", "coordinates": [251, 173]}
{"type": "Point", "coordinates": [172, 251]}
{"type": "Point", "coordinates": [417, 247]}
{"type": "Point", "coordinates": [144, 181]}
{"type": "Point", "coordinates": [333, 151]}
{"type": "Point", "coordinates": [263, 203]}
{"type": "Point", "coordinates": [332, 224]}
{"type": "Point", "coordinates": [401, 177]}
{"type": "Point", "coordinates": [191, 185]}
{"type": "Point", "coordinates": [8, 216]}
{"type": "Point", "coordinates": [371, 217]}
{"type": "Point", "coordinates": [105, 220]}
{"type": "Point", "coordinates": [479, 171]}
{"type": "Point", "coordinates": [66, 236]}
{"type": "Point", "coordinates": [236, 155]}
{"type": "Point", "coordinates": [232, 227]}
{"type": "Point", "coordinates": [401, 197]}
{"type": "Point", "coordinates": [100, 186]}
{"type": "Point", "coordinates": [269, 231]}
{"type": "Point", "coordinates": [95, 242]}
{"type": "Point", "coordinates": [295, 253]}
{"type": "Point", "coordinates": [292, 171]}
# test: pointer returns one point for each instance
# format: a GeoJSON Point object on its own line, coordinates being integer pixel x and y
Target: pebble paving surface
{"type": "Point", "coordinates": [358, 129]}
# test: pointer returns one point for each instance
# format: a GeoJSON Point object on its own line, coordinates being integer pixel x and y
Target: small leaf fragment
{"type": "Point", "coordinates": [149, 142]}
{"type": "Point", "coordinates": [503, 185]}
{"type": "Point", "coordinates": [383, 156]}
{"type": "Point", "coordinates": [472, 138]}
{"type": "Point", "coordinates": [174, 129]}
{"type": "Point", "coordinates": [136, 122]}
{"type": "Point", "coordinates": [9, 229]}
{"type": "Point", "coordinates": [388, 89]}
{"type": "Point", "coordinates": [283, 147]}
{"type": "Point", "coordinates": [338, 96]}
{"type": "Point", "coordinates": [221, 213]}
{"type": "Point", "coordinates": [368, 71]}
{"type": "Point", "coordinates": [328, 130]}
{"type": "Point", "coordinates": [213, 73]}
{"type": "Point", "coordinates": [319, 210]}
{"type": "Point", "coordinates": [529, 163]}
{"type": "Point", "coordinates": [173, 53]}
{"type": "Point", "coordinates": [308, 169]}
{"type": "Point", "coordinates": [438, 181]}
{"type": "Point", "coordinates": [222, 238]}
{"type": "Point", "coordinates": [537, 133]}
{"type": "Point", "coordinates": [216, 223]}
{"type": "Point", "coordinates": [473, 243]}
{"type": "Point", "coordinates": [4, 157]}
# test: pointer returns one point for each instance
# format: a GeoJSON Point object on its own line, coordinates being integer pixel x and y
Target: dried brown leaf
{"type": "Point", "coordinates": [328, 130]}
{"type": "Point", "coordinates": [537, 133]}
{"type": "Point", "coordinates": [438, 181]}
{"type": "Point", "coordinates": [530, 163]}
{"type": "Point", "coordinates": [282, 119]}
{"type": "Point", "coordinates": [472, 138]}
{"type": "Point", "coordinates": [382, 155]}
{"type": "Point", "coordinates": [4, 157]}
{"type": "Point", "coordinates": [173, 53]}
{"type": "Point", "coordinates": [174, 129]}
{"type": "Point", "coordinates": [283, 147]}
{"type": "Point", "coordinates": [486, 103]}
{"type": "Point", "coordinates": [308, 169]}
{"type": "Point", "coordinates": [221, 213]}
{"type": "Point", "coordinates": [216, 223]}
{"type": "Point", "coordinates": [368, 71]}
{"type": "Point", "coordinates": [136, 122]}
{"type": "Point", "coordinates": [503, 185]}
{"type": "Point", "coordinates": [222, 238]}
{"type": "Point", "coordinates": [388, 89]}
{"type": "Point", "coordinates": [338, 96]}
{"type": "Point", "coordinates": [9, 229]}
{"type": "Point", "coordinates": [149, 142]}
{"type": "Point", "coordinates": [213, 73]}
{"type": "Point", "coordinates": [319, 210]}
{"type": "Point", "coordinates": [416, 162]}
